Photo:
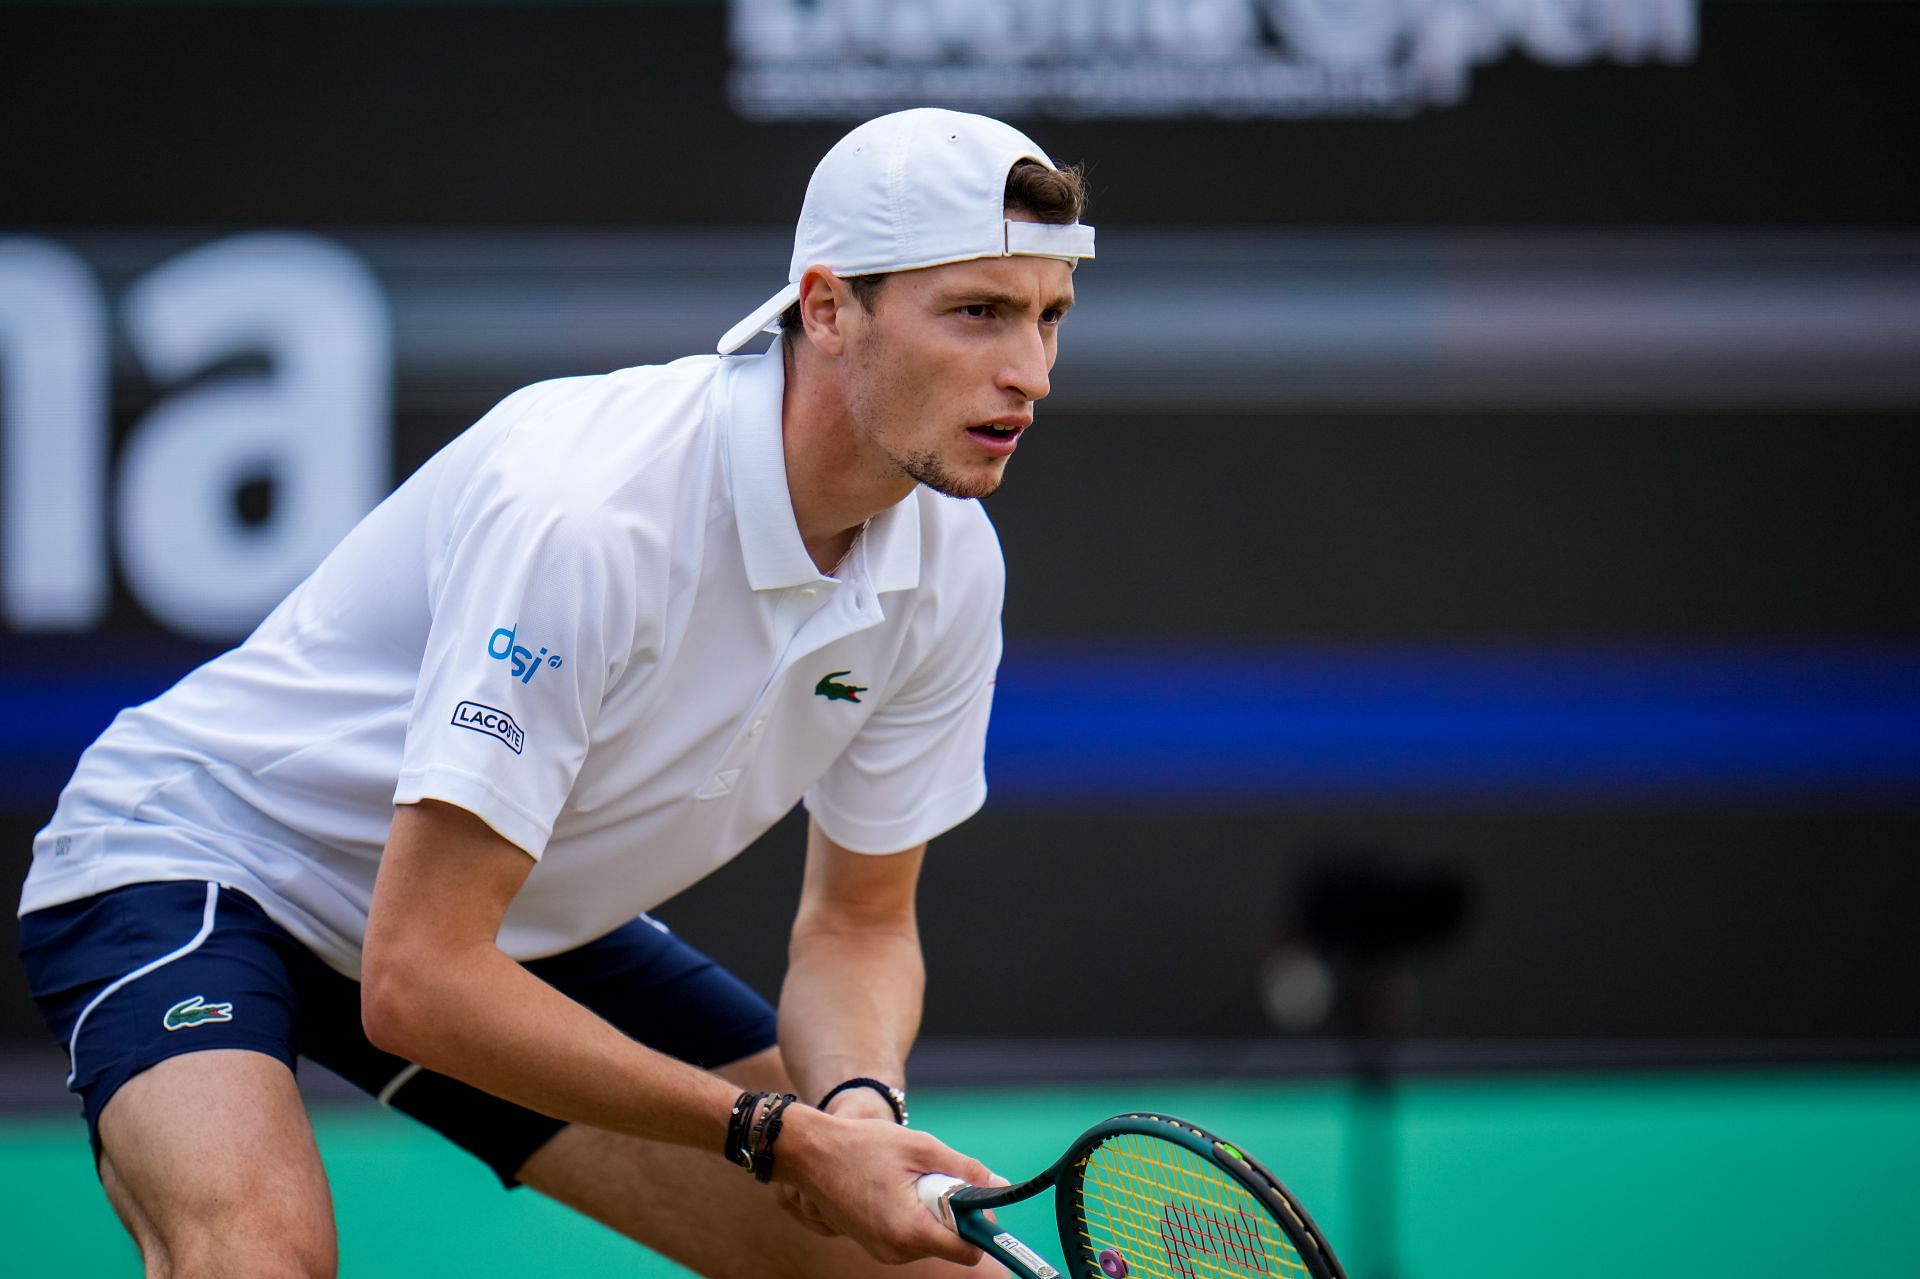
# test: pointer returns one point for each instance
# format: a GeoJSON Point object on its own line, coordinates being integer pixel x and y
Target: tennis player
{"type": "Point", "coordinates": [585, 655]}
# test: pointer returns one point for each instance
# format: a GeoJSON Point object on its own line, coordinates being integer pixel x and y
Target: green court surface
{"type": "Point", "coordinates": [1574, 1177]}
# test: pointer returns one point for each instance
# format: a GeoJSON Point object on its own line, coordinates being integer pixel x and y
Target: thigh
{"type": "Point", "coordinates": [210, 1160]}
{"type": "Point", "coordinates": [698, 1209]}
{"type": "Point", "coordinates": [178, 1007]}
{"type": "Point", "coordinates": [139, 975]}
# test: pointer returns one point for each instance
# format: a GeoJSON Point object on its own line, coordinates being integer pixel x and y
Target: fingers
{"type": "Point", "coordinates": [938, 1241]}
{"type": "Point", "coordinates": [942, 1242]}
{"type": "Point", "coordinates": [810, 1222]}
{"type": "Point", "coordinates": [802, 1210]}
{"type": "Point", "coordinates": [954, 1164]}
{"type": "Point", "coordinates": [925, 1234]}
{"type": "Point", "coordinates": [857, 1178]}
{"type": "Point", "coordinates": [918, 1236]}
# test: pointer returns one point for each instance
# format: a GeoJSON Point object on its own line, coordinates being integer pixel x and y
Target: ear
{"type": "Point", "coordinates": [825, 300]}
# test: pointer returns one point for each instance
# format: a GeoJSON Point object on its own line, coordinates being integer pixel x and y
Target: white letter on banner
{"type": "Point", "coordinates": [1448, 39]}
{"type": "Point", "coordinates": [53, 412]}
{"type": "Point", "coordinates": [1216, 29]}
{"type": "Point", "coordinates": [317, 425]}
{"type": "Point", "coordinates": [1564, 32]}
{"type": "Point", "coordinates": [1342, 33]}
{"type": "Point", "coordinates": [1641, 29]}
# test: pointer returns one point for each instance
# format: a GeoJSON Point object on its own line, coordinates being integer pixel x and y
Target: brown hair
{"type": "Point", "coordinates": [1047, 195]}
{"type": "Point", "coordinates": [1033, 189]}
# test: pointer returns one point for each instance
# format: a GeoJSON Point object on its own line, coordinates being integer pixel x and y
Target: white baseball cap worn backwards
{"type": "Point", "coordinates": [913, 189]}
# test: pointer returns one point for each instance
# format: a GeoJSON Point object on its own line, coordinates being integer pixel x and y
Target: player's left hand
{"type": "Point", "coordinates": [855, 1103]}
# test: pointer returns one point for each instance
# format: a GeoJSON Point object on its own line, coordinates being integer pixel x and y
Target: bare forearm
{"type": "Point", "coordinates": [438, 990]}
{"type": "Point", "coordinates": [850, 1006]}
{"type": "Point", "coordinates": [482, 1018]}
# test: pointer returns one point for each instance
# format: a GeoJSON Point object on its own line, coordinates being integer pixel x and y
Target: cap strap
{"type": "Point", "coordinates": [1068, 240]}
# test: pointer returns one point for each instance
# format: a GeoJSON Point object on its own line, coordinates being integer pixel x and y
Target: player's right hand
{"type": "Point", "coordinates": [856, 1177]}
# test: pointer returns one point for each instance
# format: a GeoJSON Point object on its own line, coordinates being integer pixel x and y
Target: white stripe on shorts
{"type": "Point", "coordinates": [395, 1084]}
{"type": "Point", "coordinates": [206, 930]}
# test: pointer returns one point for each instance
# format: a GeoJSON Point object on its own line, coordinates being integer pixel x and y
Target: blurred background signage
{"type": "Point", "coordinates": [1468, 561]}
{"type": "Point", "coordinates": [833, 59]}
{"type": "Point", "coordinates": [271, 442]}
{"type": "Point", "coordinates": [1522, 490]}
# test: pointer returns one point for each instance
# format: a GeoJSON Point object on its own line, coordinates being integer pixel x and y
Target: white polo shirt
{"type": "Point", "coordinates": [590, 620]}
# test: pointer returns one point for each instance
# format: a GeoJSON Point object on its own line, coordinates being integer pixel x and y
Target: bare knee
{"type": "Point", "coordinates": [210, 1253]}
{"type": "Point", "coordinates": [205, 1256]}
{"type": "Point", "coordinates": [270, 1222]}
{"type": "Point", "coordinates": [224, 1229]}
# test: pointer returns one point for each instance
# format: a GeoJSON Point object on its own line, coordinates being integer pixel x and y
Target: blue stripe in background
{"type": "Point", "coordinates": [1171, 724]}
{"type": "Point", "coordinates": [1156, 726]}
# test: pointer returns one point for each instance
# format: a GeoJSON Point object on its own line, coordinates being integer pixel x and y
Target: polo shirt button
{"type": "Point", "coordinates": [719, 784]}
{"type": "Point", "coordinates": [758, 724]}
{"type": "Point", "coordinates": [808, 592]}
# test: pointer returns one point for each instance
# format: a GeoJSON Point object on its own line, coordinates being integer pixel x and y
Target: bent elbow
{"type": "Point", "coordinates": [388, 1011]}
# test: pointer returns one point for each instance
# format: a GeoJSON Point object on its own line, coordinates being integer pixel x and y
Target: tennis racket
{"type": "Point", "coordinates": [1152, 1197]}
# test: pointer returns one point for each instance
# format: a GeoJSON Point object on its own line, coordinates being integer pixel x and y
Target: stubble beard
{"type": "Point", "coordinates": [923, 466]}
{"type": "Point", "coordinates": [926, 467]}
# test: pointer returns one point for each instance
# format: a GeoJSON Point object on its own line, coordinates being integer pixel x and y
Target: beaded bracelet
{"type": "Point", "coordinates": [896, 1100]}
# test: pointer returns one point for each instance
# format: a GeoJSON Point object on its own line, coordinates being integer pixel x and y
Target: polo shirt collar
{"type": "Point", "coordinates": [889, 551]}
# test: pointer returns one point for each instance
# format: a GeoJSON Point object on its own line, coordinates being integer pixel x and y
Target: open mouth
{"type": "Point", "coordinates": [993, 433]}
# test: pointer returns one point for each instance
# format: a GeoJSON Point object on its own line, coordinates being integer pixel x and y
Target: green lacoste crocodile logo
{"type": "Point", "coordinates": [195, 1012]}
{"type": "Point", "coordinates": [838, 692]}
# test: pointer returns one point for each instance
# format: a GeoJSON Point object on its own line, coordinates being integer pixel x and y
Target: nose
{"type": "Point", "coordinates": [1027, 365]}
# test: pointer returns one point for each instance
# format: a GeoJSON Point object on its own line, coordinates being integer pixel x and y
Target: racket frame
{"type": "Point", "coordinates": [966, 1205]}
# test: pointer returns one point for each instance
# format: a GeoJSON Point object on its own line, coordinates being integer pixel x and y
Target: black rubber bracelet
{"type": "Point", "coordinates": [896, 1100]}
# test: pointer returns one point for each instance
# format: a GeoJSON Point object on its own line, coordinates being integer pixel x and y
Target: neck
{"type": "Point", "coordinates": [835, 485]}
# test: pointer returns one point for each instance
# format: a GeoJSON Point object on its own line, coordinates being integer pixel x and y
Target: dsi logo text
{"type": "Point", "coordinates": [526, 662]}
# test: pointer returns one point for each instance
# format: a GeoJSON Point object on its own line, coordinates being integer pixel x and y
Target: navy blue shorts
{"type": "Point", "coordinates": [139, 974]}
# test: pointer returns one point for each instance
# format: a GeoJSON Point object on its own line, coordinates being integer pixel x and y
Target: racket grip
{"type": "Point", "coordinates": [933, 1189]}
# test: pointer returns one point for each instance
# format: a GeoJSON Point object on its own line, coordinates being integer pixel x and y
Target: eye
{"type": "Point", "coordinates": [1052, 316]}
{"type": "Point", "coordinates": [976, 310]}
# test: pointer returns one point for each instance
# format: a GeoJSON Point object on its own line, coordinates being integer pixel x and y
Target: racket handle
{"type": "Point", "coordinates": [933, 1190]}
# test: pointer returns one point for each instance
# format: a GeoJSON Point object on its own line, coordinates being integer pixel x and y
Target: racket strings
{"type": "Point", "coordinates": [1154, 1209]}
{"type": "Point", "coordinates": [1186, 1225]}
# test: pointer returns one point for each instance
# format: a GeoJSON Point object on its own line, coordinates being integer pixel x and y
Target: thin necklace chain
{"type": "Point", "coordinates": [857, 535]}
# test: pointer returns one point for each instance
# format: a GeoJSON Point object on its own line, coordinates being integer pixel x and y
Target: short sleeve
{"type": "Point", "coordinates": [917, 768]}
{"type": "Point", "coordinates": [532, 618]}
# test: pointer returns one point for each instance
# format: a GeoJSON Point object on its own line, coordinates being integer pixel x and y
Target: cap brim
{"type": "Point", "coordinates": [761, 318]}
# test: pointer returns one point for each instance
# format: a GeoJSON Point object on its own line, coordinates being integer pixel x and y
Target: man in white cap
{"type": "Point", "coordinates": [585, 655]}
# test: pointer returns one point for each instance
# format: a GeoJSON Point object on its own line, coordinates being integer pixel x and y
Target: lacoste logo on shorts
{"type": "Point", "coordinates": [195, 1012]}
{"type": "Point", "coordinates": [492, 721]}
